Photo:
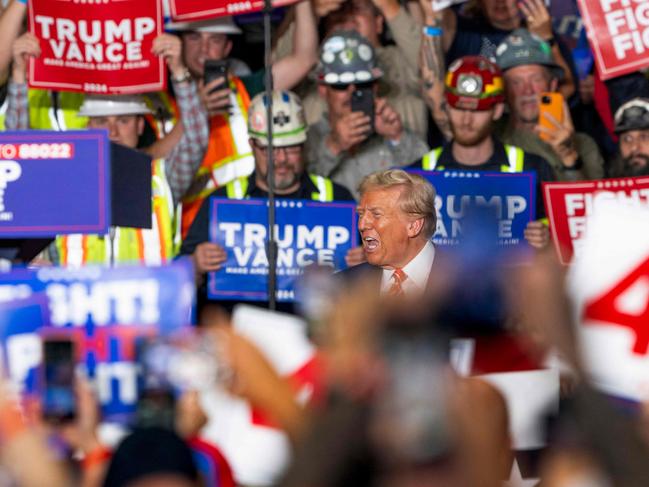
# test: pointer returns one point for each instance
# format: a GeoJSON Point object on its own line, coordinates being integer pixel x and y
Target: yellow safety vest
{"type": "Point", "coordinates": [153, 246]}
{"type": "Point", "coordinates": [515, 160]}
{"type": "Point", "coordinates": [238, 188]}
{"type": "Point", "coordinates": [45, 115]}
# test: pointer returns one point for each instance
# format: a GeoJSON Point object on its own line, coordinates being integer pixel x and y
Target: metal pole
{"type": "Point", "coordinates": [271, 250]}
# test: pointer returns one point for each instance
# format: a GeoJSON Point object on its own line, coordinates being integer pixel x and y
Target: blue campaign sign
{"type": "Point", "coordinates": [307, 233]}
{"type": "Point", "coordinates": [20, 345]}
{"type": "Point", "coordinates": [511, 196]}
{"type": "Point", "coordinates": [54, 183]}
{"type": "Point", "coordinates": [106, 313]}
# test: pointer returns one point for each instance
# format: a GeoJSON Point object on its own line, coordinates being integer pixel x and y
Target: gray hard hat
{"type": "Point", "coordinates": [522, 47]}
{"type": "Point", "coordinates": [347, 57]}
{"type": "Point", "coordinates": [633, 115]}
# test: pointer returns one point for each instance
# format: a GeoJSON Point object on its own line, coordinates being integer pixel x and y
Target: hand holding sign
{"type": "Point", "coordinates": [208, 257]}
{"type": "Point", "coordinates": [170, 48]}
{"type": "Point", "coordinates": [537, 234]}
{"type": "Point", "coordinates": [26, 46]}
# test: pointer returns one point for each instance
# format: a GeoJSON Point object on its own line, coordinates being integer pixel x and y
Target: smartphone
{"type": "Point", "coordinates": [59, 402]}
{"type": "Point", "coordinates": [363, 101]}
{"type": "Point", "coordinates": [215, 70]}
{"type": "Point", "coordinates": [550, 103]}
{"type": "Point", "coordinates": [156, 404]}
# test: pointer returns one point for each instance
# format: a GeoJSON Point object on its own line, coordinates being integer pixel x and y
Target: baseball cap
{"type": "Point", "coordinates": [633, 115]}
{"type": "Point", "coordinates": [106, 105]}
{"type": "Point", "coordinates": [347, 57]}
{"type": "Point", "coordinates": [522, 47]}
{"type": "Point", "coordinates": [473, 83]}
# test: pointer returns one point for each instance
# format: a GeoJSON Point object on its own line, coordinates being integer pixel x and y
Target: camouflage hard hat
{"type": "Point", "coordinates": [347, 57]}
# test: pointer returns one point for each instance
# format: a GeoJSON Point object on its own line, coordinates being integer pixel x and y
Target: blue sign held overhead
{"type": "Point", "coordinates": [105, 312]}
{"type": "Point", "coordinates": [511, 197]}
{"type": "Point", "coordinates": [307, 233]}
{"type": "Point", "coordinates": [54, 183]}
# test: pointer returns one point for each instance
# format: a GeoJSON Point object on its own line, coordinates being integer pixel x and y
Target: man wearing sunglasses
{"type": "Point", "coordinates": [290, 178]}
{"type": "Point", "coordinates": [360, 133]}
{"type": "Point", "coordinates": [632, 127]}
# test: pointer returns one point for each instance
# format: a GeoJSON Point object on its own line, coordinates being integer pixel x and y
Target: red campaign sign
{"type": "Point", "coordinates": [102, 47]}
{"type": "Point", "coordinates": [618, 31]}
{"type": "Point", "coordinates": [190, 10]}
{"type": "Point", "coordinates": [569, 204]}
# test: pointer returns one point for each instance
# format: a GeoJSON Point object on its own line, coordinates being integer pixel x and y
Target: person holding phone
{"type": "Point", "coordinates": [539, 119]}
{"type": "Point", "coordinates": [359, 133]}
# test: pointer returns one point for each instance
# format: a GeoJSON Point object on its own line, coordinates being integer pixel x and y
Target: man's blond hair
{"type": "Point", "coordinates": [417, 196]}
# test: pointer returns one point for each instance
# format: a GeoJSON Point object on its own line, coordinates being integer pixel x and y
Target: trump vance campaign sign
{"type": "Point", "coordinates": [618, 31]}
{"type": "Point", "coordinates": [54, 183]}
{"type": "Point", "coordinates": [570, 204]}
{"type": "Point", "coordinates": [100, 47]}
{"type": "Point", "coordinates": [189, 10]}
{"type": "Point", "coordinates": [512, 198]}
{"type": "Point", "coordinates": [104, 312]}
{"type": "Point", "coordinates": [307, 232]}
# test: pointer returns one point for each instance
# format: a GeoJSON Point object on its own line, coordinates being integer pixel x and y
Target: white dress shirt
{"type": "Point", "coordinates": [417, 270]}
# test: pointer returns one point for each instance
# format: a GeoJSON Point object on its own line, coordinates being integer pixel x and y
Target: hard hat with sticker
{"type": "Point", "coordinates": [347, 57]}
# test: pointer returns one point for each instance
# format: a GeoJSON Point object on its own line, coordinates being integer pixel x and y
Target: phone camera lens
{"type": "Point", "coordinates": [545, 99]}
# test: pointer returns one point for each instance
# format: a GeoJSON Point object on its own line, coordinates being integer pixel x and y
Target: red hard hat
{"type": "Point", "coordinates": [474, 83]}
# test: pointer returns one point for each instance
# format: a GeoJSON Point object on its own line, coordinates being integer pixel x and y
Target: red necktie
{"type": "Point", "coordinates": [398, 277]}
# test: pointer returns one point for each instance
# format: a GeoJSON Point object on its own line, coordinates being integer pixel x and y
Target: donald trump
{"type": "Point", "coordinates": [396, 219]}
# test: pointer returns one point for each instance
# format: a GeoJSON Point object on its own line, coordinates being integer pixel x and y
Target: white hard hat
{"type": "Point", "coordinates": [289, 124]}
{"type": "Point", "coordinates": [219, 25]}
{"type": "Point", "coordinates": [106, 105]}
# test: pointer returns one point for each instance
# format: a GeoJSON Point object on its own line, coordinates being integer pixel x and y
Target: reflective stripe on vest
{"type": "Point", "coordinates": [228, 155]}
{"type": "Point", "coordinates": [515, 159]}
{"type": "Point", "coordinates": [238, 189]}
{"type": "Point", "coordinates": [44, 115]}
{"type": "Point", "coordinates": [3, 113]}
{"type": "Point", "coordinates": [131, 245]}
{"type": "Point", "coordinates": [429, 161]}
{"type": "Point", "coordinates": [165, 112]}
{"type": "Point", "coordinates": [325, 188]}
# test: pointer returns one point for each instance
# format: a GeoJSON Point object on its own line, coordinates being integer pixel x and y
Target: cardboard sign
{"type": "Point", "coordinates": [568, 206]}
{"type": "Point", "coordinates": [609, 286]}
{"type": "Point", "coordinates": [54, 183]}
{"type": "Point", "coordinates": [97, 47]}
{"type": "Point", "coordinates": [104, 311]}
{"type": "Point", "coordinates": [258, 451]}
{"type": "Point", "coordinates": [618, 31]}
{"type": "Point", "coordinates": [190, 10]}
{"type": "Point", "coordinates": [511, 196]}
{"type": "Point", "coordinates": [307, 233]}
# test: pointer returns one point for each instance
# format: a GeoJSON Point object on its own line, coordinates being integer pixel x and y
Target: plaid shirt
{"type": "Point", "coordinates": [185, 158]}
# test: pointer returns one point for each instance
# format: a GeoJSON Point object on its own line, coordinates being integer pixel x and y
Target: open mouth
{"type": "Point", "coordinates": [370, 244]}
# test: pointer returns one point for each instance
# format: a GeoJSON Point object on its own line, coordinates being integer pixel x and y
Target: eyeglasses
{"type": "Point", "coordinates": [345, 86]}
{"type": "Point", "coordinates": [289, 150]}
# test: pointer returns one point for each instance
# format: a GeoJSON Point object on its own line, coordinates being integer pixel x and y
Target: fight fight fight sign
{"type": "Point", "coordinates": [190, 10]}
{"type": "Point", "coordinates": [618, 31]}
{"type": "Point", "coordinates": [307, 233]}
{"type": "Point", "coordinates": [54, 183]}
{"type": "Point", "coordinates": [569, 205]}
{"type": "Point", "coordinates": [104, 312]}
{"type": "Point", "coordinates": [100, 47]}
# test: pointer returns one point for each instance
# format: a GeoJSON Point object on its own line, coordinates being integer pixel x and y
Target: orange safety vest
{"type": "Point", "coordinates": [228, 156]}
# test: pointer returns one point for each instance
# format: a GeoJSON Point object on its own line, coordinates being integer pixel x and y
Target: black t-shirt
{"type": "Point", "coordinates": [531, 162]}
